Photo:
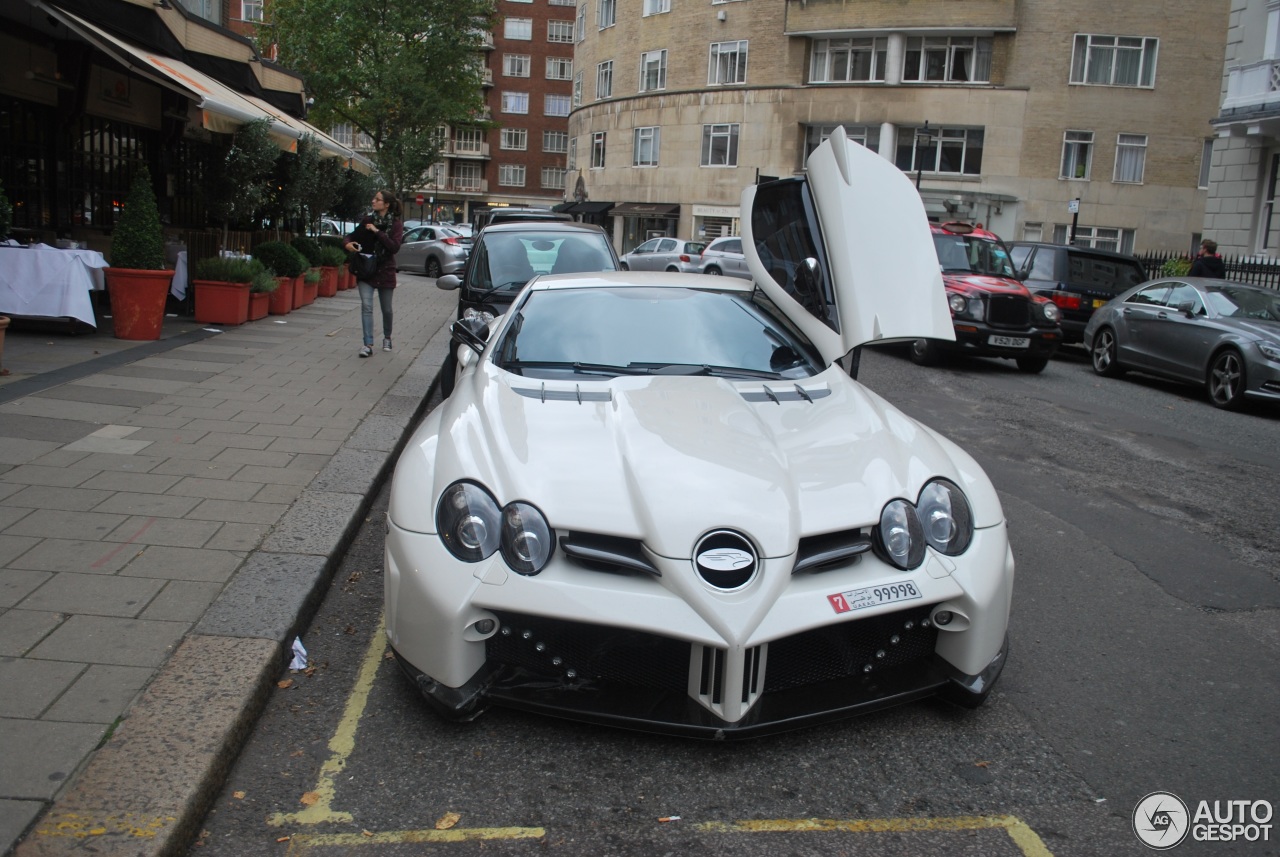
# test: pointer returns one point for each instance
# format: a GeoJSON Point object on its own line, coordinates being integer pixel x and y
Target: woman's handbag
{"type": "Point", "coordinates": [362, 265]}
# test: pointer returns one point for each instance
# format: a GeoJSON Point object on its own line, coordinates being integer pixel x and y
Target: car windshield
{"type": "Point", "coordinates": [1235, 302]}
{"type": "Point", "coordinates": [969, 254]}
{"type": "Point", "coordinates": [1104, 271]}
{"type": "Point", "coordinates": [607, 332]}
{"type": "Point", "coordinates": [508, 260]}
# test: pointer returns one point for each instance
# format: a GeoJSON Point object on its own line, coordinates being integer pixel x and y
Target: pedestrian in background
{"type": "Point", "coordinates": [380, 234]}
{"type": "Point", "coordinates": [1208, 263]}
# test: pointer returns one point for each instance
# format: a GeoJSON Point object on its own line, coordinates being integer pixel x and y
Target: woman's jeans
{"type": "Point", "coordinates": [366, 310]}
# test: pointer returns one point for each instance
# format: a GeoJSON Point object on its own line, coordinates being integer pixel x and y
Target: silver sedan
{"type": "Point", "coordinates": [433, 250]}
{"type": "Point", "coordinates": [665, 254]}
{"type": "Point", "coordinates": [1221, 334]}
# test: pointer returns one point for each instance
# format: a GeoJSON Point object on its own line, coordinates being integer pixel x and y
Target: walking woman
{"type": "Point", "coordinates": [380, 234]}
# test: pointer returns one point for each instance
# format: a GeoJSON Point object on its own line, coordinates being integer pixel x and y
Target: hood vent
{"type": "Point", "coordinates": [794, 393]}
{"type": "Point", "coordinates": [830, 550]}
{"type": "Point", "coordinates": [577, 394]}
{"type": "Point", "coordinates": [608, 553]}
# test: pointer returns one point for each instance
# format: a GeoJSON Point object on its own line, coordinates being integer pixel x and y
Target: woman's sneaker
{"type": "Point", "coordinates": [386, 344]}
{"type": "Point", "coordinates": [367, 351]}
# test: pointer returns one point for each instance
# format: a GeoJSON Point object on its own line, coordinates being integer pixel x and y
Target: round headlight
{"type": "Point", "coordinates": [1051, 311]}
{"type": "Point", "coordinates": [468, 521]}
{"type": "Point", "coordinates": [899, 536]}
{"type": "Point", "coordinates": [958, 304]}
{"type": "Point", "coordinates": [527, 541]}
{"type": "Point", "coordinates": [945, 517]}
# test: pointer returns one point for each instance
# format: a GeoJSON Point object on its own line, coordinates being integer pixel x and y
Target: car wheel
{"type": "Point", "coordinates": [1032, 365]}
{"type": "Point", "coordinates": [433, 267]}
{"type": "Point", "coordinates": [715, 272]}
{"type": "Point", "coordinates": [1225, 380]}
{"type": "Point", "coordinates": [672, 269]}
{"type": "Point", "coordinates": [1103, 354]}
{"type": "Point", "coordinates": [925, 352]}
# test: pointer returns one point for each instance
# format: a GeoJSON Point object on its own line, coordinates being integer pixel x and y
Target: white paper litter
{"type": "Point", "coordinates": [299, 661]}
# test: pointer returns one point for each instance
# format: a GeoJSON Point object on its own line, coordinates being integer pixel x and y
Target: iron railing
{"type": "Point", "coordinates": [1242, 269]}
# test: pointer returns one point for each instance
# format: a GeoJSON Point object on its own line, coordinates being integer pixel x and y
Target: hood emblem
{"type": "Point", "coordinates": [725, 560]}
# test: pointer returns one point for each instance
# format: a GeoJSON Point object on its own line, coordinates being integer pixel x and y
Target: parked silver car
{"type": "Point", "coordinates": [433, 250]}
{"type": "Point", "coordinates": [723, 257]}
{"type": "Point", "coordinates": [1221, 334]}
{"type": "Point", "coordinates": [664, 254]}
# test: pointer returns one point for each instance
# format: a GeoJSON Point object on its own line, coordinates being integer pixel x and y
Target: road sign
{"type": "Point", "coordinates": [421, 199]}
{"type": "Point", "coordinates": [1074, 206]}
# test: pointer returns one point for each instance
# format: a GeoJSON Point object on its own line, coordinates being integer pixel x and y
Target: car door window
{"type": "Point", "coordinates": [734, 246]}
{"type": "Point", "coordinates": [413, 235]}
{"type": "Point", "coordinates": [1185, 295]}
{"type": "Point", "coordinates": [788, 244]}
{"type": "Point", "coordinates": [646, 247]}
{"type": "Point", "coordinates": [1150, 296]}
{"type": "Point", "coordinates": [666, 245]}
{"type": "Point", "coordinates": [1042, 266]}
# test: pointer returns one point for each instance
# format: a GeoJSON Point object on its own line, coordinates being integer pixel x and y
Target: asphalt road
{"type": "Point", "coordinates": [1144, 655]}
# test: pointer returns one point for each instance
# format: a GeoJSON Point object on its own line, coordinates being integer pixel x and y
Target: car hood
{"type": "Point", "coordinates": [1253, 328]}
{"type": "Point", "coordinates": [667, 459]}
{"type": "Point", "coordinates": [970, 283]}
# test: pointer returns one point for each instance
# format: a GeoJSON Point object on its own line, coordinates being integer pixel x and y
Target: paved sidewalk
{"type": "Point", "coordinates": [170, 514]}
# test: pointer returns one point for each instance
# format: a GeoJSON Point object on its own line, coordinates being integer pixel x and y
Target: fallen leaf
{"type": "Point", "coordinates": [310, 799]}
{"type": "Point", "coordinates": [387, 655]}
{"type": "Point", "coordinates": [449, 819]}
{"type": "Point", "coordinates": [366, 832]}
{"type": "Point", "coordinates": [284, 684]}
{"type": "Point", "coordinates": [238, 795]}
{"type": "Point", "coordinates": [981, 764]}
{"type": "Point", "coordinates": [283, 839]}
{"type": "Point", "coordinates": [297, 753]}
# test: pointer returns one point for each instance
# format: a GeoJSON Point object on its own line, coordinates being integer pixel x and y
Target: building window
{"type": "Point", "coordinates": [720, 145]}
{"type": "Point", "coordinates": [571, 162]}
{"type": "Point", "coordinates": [645, 147]}
{"type": "Point", "coordinates": [515, 138]}
{"type": "Point", "coordinates": [518, 28]}
{"type": "Point", "coordinates": [580, 29]}
{"type": "Point", "coordinates": [604, 80]}
{"type": "Point", "coordinates": [654, 7]}
{"type": "Point", "coordinates": [559, 68]}
{"type": "Point", "coordinates": [597, 150]}
{"type": "Point", "coordinates": [556, 105]}
{"type": "Point", "coordinates": [561, 2]}
{"type": "Point", "coordinates": [1206, 161]}
{"type": "Point", "coordinates": [1096, 237]}
{"type": "Point", "coordinates": [511, 175]}
{"type": "Point", "coordinates": [577, 90]}
{"type": "Point", "coordinates": [839, 60]}
{"type": "Point", "coordinates": [1114, 60]}
{"type": "Point", "coordinates": [653, 70]}
{"type": "Point", "coordinates": [816, 135]}
{"type": "Point", "coordinates": [515, 102]}
{"type": "Point", "coordinates": [560, 31]}
{"type": "Point", "coordinates": [251, 10]}
{"type": "Point", "coordinates": [468, 141]}
{"type": "Point", "coordinates": [728, 63]}
{"type": "Point", "coordinates": [963, 59]}
{"type": "Point", "coordinates": [954, 151]}
{"type": "Point", "coordinates": [607, 14]}
{"type": "Point", "coordinates": [555, 141]}
{"type": "Point", "coordinates": [468, 176]}
{"type": "Point", "coordinates": [553, 178]}
{"type": "Point", "coordinates": [1077, 154]}
{"type": "Point", "coordinates": [1033, 232]}
{"type": "Point", "coordinates": [1131, 158]}
{"type": "Point", "coordinates": [515, 65]}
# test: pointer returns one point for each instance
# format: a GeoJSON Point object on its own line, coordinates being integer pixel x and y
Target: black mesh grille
{"type": "Point", "coordinates": [844, 650]}
{"type": "Point", "coordinates": [1009, 311]}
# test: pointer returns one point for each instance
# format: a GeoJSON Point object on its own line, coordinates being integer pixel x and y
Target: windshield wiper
{"type": "Point", "coordinates": [579, 367]}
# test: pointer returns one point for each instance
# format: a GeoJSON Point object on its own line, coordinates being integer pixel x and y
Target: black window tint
{"type": "Point", "coordinates": [1103, 272]}
{"type": "Point", "coordinates": [786, 235]}
{"type": "Point", "coordinates": [1042, 267]}
{"type": "Point", "coordinates": [1151, 296]}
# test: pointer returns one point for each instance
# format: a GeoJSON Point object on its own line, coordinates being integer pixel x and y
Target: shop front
{"type": "Point", "coordinates": [637, 222]}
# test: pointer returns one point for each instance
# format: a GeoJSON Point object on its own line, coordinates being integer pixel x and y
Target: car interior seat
{"type": "Point", "coordinates": [575, 257]}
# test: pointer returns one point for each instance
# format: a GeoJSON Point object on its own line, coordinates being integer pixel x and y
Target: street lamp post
{"type": "Point", "coordinates": [923, 137]}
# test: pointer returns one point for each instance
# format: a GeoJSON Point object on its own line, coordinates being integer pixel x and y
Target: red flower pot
{"type": "Point", "coordinates": [309, 291]}
{"type": "Point", "coordinates": [221, 303]}
{"type": "Point", "coordinates": [282, 298]}
{"type": "Point", "coordinates": [328, 281]}
{"type": "Point", "coordinates": [259, 305]}
{"type": "Point", "coordinates": [137, 301]}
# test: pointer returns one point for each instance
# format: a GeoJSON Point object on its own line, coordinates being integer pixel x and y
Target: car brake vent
{"type": "Point", "coordinates": [830, 550]}
{"type": "Point", "coordinates": [610, 554]}
{"type": "Point", "coordinates": [577, 394]}
{"type": "Point", "coordinates": [778, 395]}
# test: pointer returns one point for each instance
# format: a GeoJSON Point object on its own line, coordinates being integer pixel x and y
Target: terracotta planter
{"type": "Point", "coordinates": [299, 292]}
{"type": "Point", "coordinates": [4, 322]}
{"type": "Point", "coordinates": [137, 301]}
{"type": "Point", "coordinates": [346, 280]}
{"type": "Point", "coordinates": [259, 305]}
{"type": "Point", "coordinates": [328, 281]}
{"type": "Point", "coordinates": [282, 298]}
{"type": "Point", "coordinates": [221, 303]}
{"type": "Point", "coordinates": [309, 291]}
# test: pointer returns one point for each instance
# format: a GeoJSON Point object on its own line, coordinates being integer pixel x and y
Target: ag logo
{"type": "Point", "coordinates": [1161, 820]}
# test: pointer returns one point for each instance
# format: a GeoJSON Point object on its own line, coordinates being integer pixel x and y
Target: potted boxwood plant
{"type": "Point", "coordinates": [310, 285]}
{"type": "Point", "coordinates": [287, 264]}
{"type": "Point", "coordinates": [137, 281]}
{"type": "Point", "coordinates": [222, 289]}
{"type": "Point", "coordinates": [332, 262]}
{"type": "Point", "coordinates": [261, 288]}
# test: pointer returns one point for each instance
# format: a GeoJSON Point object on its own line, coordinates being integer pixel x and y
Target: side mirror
{"type": "Point", "coordinates": [471, 332]}
{"type": "Point", "coordinates": [1187, 308]}
{"type": "Point", "coordinates": [449, 282]}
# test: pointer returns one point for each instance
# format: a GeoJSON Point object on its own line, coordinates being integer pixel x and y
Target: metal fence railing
{"type": "Point", "coordinates": [1242, 269]}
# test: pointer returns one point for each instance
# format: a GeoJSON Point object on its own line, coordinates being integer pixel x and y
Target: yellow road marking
{"type": "Point", "coordinates": [302, 843]}
{"type": "Point", "coordinates": [342, 742]}
{"type": "Point", "coordinates": [73, 825]}
{"type": "Point", "coordinates": [1023, 836]}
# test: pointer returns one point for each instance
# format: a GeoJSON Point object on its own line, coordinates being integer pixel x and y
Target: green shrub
{"type": "Point", "coordinates": [222, 269]}
{"type": "Point", "coordinates": [309, 248]}
{"type": "Point", "coordinates": [311, 276]}
{"type": "Point", "coordinates": [280, 258]}
{"type": "Point", "coordinates": [333, 241]}
{"type": "Point", "coordinates": [333, 257]}
{"type": "Point", "coordinates": [263, 281]}
{"type": "Point", "coordinates": [1178, 266]}
{"type": "Point", "coordinates": [138, 238]}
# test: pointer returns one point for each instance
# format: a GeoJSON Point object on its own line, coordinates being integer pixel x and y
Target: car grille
{"type": "Point", "coordinates": [1008, 311]}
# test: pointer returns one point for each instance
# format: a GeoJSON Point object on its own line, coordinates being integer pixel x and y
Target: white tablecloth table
{"type": "Point", "coordinates": [178, 285]}
{"type": "Point", "coordinates": [49, 283]}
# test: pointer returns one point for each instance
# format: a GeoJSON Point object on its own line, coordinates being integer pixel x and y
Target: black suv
{"type": "Point", "coordinates": [1077, 279]}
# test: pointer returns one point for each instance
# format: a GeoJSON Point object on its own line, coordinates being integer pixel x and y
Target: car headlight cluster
{"type": "Point", "coordinates": [961, 305]}
{"type": "Point", "coordinates": [1050, 311]}
{"type": "Point", "coordinates": [1270, 351]}
{"type": "Point", "coordinates": [940, 518]}
{"type": "Point", "coordinates": [473, 526]}
{"type": "Point", "coordinates": [473, 314]}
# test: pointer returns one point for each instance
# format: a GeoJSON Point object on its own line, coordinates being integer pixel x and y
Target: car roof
{"type": "Point", "coordinates": [641, 279]}
{"type": "Point", "coordinates": [569, 227]}
{"type": "Point", "coordinates": [1092, 251]}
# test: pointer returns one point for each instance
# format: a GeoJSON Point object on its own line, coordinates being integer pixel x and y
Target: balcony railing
{"type": "Point", "coordinates": [463, 149]}
{"type": "Point", "coordinates": [1253, 85]}
{"type": "Point", "coordinates": [461, 184]}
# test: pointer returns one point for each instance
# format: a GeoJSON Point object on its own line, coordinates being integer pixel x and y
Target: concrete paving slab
{"type": "Point", "coordinates": [36, 474]}
{"type": "Point", "coordinates": [276, 493]}
{"type": "Point", "coordinates": [85, 556]}
{"type": "Point", "coordinates": [16, 816]}
{"type": "Point", "coordinates": [55, 524]}
{"type": "Point", "coordinates": [182, 601]}
{"type": "Point", "coordinates": [11, 515]}
{"type": "Point", "coordinates": [54, 409]}
{"type": "Point", "coordinates": [160, 505]}
{"type": "Point", "coordinates": [174, 532]}
{"type": "Point", "coordinates": [18, 450]}
{"type": "Point", "coordinates": [237, 440]}
{"type": "Point", "coordinates": [16, 584]}
{"type": "Point", "coordinates": [216, 489]}
{"type": "Point", "coordinates": [109, 640]}
{"type": "Point", "coordinates": [63, 499]}
{"type": "Point", "coordinates": [178, 563]}
{"type": "Point", "coordinates": [238, 537]}
{"type": "Point", "coordinates": [101, 395]}
{"type": "Point", "coordinates": [22, 630]}
{"type": "Point", "coordinates": [94, 594]}
{"type": "Point", "coordinates": [118, 446]}
{"type": "Point", "coordinates": [206, 469]}
{"type": "Point", "coordinates": [12, 547]}
{"type": "Point", "coordinates": [7, 489]}
{"type": "Point", "coordinates": [37, 756]}
{"type": "Point", "coordinates": [28, 687]}
{"type": "Point", "coordinates": [184, 377]}
{"type": "Point", "coordinates": [99, 694]}
{"type": "Point", "coordinates": [280, 475]}
{"type": "Point", "coordinates": [19, 425]}
{"type": "Point", "coordinates": [114, 462]}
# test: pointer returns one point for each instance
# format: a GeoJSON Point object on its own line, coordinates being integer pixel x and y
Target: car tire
{"type": "Point", "coordinates": [1103, 354]}
{"type": "Point", "coordinates": [672, 269]}
{"type": "Point", "coordinates": [713, 271]}
{"type": "Point", "coordinates": [1225, 380]}
{"type": "Point", "coordinates": [925, 352]}
{"type": "Point", "coordinates": [432, 267]}
{"type": "Point", "coordinates": [1032, 365]}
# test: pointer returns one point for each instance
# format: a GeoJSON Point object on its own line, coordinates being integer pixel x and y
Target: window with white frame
{"type": "Point", "coordinates": [515, 138]}
{"type": "Point", "coordinates": [468, 176]}
{"type": "Point", "coordinates": [1097, 237]}
{"type": "Point", "coordinates": [654, 7]}
{"type": "Point", "coordinates": [555, 141]}
{"type": "Point", "coordinates": [251, 10]}
{"type": "Point", "coordinates": [577, 90]}
{"type": "Point", "coordinates": [1077, 155]}
{"type": "Point", "coordinates": [947, 59]}
{"type": "Point", "coordinates": [468, 141]}
{"type": "Point", "coordinates": [816, 135]}
{"type": "Point", "coordinates": [562, 2]}
{"type": "Point", "coordinates": [604, 80]}
{"type": "Point", "coordinates": [516, 65]}
{"type": "Point", "coordinates": [511, 175]}
{"type": "Point", "coordinates": [1206, 161]}
{"type": "Point", "coordinates": [553, 178]}
{"type": "Point", "coordinates": [559, 68]}
{"type": "Point", "coordinates": [1114, 60]}
{"type": "Point", "coordinates": [1131, 158]}
{"type": "Point", "coordinates": [954, 151]}
{"type": "Point", "coordinates": [560, 31]}
{"type": "Point", "coordinates": [727, 63]}
{"type": "Point", "coordinates": [1267, 238]}
{"type": "Point", "coordinates": [571, 162]}
{"type": "Point", "coordinates": [518, 28]}
{"type": "Point", "coordinates": [597, 150]}
{"type": "Point", "coordinates": [607, 14]}
{"type": "Point", "coordinates": [580, 26]}
{"type": "Point", "coordinates": [653, 70]}
{"type": "Point", "coordinates": [556, 105]}
{"type": "Point", "coordinates": [1033, 232]}
{"type": "Point", "coordinates": [720, 145]}
{"type": "Point", "coordinates": [841, 60]}
{"type": "Point", "coordinates": [644, 148]}
{"type": "Point", "coordinates": [515, 102]}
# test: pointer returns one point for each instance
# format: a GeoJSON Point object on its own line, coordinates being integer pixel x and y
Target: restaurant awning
{"type": "Point", "coordinates": [645, 209]}
{"type": "Point", "coordinates": [589, 207]}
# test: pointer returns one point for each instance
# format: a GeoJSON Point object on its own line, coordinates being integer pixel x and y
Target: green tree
{"type": "Point", "coordinates": [395, 70]}
{"type": "Point", "coordinates": [240, 185]}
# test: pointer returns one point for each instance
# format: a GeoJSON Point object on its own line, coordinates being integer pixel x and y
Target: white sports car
{"type": "Point", "coordinates": [657, 501]}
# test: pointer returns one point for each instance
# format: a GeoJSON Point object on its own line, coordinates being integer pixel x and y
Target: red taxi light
{"type": "Point", "coordinates": [1066, 300]}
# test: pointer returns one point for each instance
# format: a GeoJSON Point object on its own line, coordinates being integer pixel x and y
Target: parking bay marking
{"type": "Point", "coordinates": [1028, 842]}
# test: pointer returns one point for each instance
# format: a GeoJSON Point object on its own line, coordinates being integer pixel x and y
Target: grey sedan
{"type": "Point", "coordinates": [1221, 334]}
{"type": "Point", "coordinates": [433, 250]}
{"type": "Point", "coordinates": [665, 254]}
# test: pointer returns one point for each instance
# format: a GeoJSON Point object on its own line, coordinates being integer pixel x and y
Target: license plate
{"type": "Point", "coordinates": [1010, 341]}
{"type": "Point", "coordinates": [874, 596]}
